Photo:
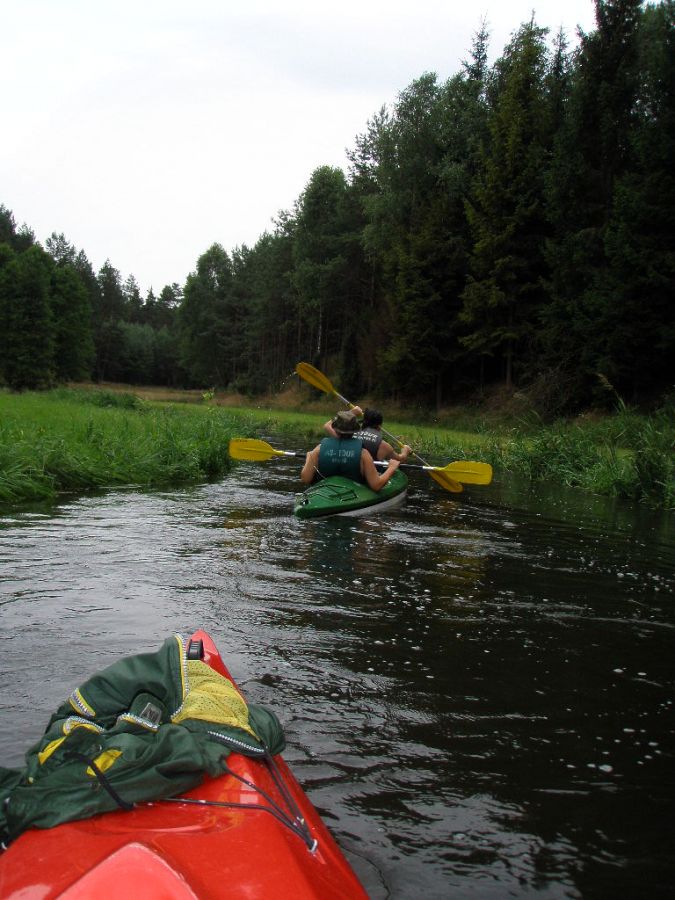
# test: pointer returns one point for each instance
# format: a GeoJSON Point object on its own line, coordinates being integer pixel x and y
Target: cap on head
{"type": "Point", "coordinates": [372, 418]}
{"type": "Point", "coordinates": [345, 423]}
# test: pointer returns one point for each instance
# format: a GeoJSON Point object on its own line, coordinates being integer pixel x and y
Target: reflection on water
{"type": "Point", "coordinates": [477, 692]}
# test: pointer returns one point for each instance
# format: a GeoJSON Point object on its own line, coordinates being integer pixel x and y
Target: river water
{"type": "Point", "coordinates": [478, 692]}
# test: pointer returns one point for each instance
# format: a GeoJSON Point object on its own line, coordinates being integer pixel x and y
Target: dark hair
{"type": "Point", "coordinates": [372, 418]}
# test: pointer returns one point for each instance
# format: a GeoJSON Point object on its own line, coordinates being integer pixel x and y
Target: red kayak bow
{"type": "Point", "coordinates": [251, 832]}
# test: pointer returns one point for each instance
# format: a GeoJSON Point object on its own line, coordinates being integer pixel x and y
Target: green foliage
{"type": "Point", "coordinates": [206, 330]}
{"type": "Point", "coordinates": [68, 441]}
{"type": "Point", "coordinates": [654, 457]}
{"type": "Point", "coordinates": [71, 314]}
{"type": "Point", "coordinates": [626, 455]}
{"type": "Point", "coordinates": [271, 331]}
{"type": "Point", "coordinates": [605, 311]}
{"type": "Point", "coordinates": [505, 208]}
{"type": "Point", "coordinates": [18, 239]}
{"type": "Point", "coordinates": [418, 161]}
{"type": "Point", "coordinates": [320, 274]}
{"type": "Point", "coordinates": [26, 324]}
{"type": "Point", "coordinates": [103, 398]}
{"type": "Point", "coordinates": [135, 363]}
{"type": "Point", "coordinates": [511, 225]}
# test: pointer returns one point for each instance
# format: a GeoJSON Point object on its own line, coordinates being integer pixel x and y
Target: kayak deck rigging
{"type": "Point", "coordinates": [292, 818]}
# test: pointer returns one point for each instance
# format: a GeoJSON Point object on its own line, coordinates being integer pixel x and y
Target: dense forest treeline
{"type": "Point", "coordinates": [511, 225]}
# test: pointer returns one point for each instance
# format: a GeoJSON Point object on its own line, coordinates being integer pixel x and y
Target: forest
{"type": "Point", "coordinates": [510, 227]}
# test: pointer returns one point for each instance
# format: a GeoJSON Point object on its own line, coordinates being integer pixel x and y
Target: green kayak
{"type": "Point", "coordinates": [339, 496]}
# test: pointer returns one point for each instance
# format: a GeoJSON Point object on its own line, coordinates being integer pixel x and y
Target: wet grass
{"type": "Point", "coordinates": [78, 439]}
{"type": "Point", "coordinates": [62, 441]}
{"type": "Point", "coordinates": [625, 455]}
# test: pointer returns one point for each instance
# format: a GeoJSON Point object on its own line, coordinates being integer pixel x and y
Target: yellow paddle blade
{"type": "Point", "coordinates": [312, 376]}
{"type": "Point", "coordinates": [446, 482]}
{"type": "Point", "coordinates": [469, 472]}
{"type": "Point", "coordinates": [253, 450]}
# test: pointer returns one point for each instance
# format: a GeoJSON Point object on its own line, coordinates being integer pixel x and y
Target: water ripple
{"type": "Point", "coordinates": [477, 694]}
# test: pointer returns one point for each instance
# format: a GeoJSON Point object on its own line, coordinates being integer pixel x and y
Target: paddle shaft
{"type": "Point", "coordinates": [451, 476]}
{"type": "Point", "coordinates": [384, 462]}
{"type": "Point", "coordinates": [463, 472]}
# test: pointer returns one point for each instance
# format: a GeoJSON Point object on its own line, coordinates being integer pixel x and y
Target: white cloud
{"type": "Point", "coordinates": [146, 131]}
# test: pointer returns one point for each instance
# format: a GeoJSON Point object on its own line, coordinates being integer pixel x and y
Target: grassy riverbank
{"type": "Point", "coordinates": [77, 441]}
{"type": "Point", "coordinates": [84, 439]}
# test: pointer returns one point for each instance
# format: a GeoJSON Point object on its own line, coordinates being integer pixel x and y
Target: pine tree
{"type": "Point", "coordinates": [71, 311]}
{"type": "Point", "coordinates": [505, 209]}
{"type": "Point", "coordinates": [204, 326]}
{"type": "Point", "coordinates": [590, 159]}
{"type": "Point", "coordinates": [319, 262]}
{"type": "Point", "coordinates": [640, 320]}
{"type": "Point", "coordinates": [26, 326]}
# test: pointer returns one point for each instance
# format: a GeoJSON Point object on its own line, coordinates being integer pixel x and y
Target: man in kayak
{"type": "Point", "coordinates": [370, 435]}
{"type": "Point", "coordinates": [345, 455]}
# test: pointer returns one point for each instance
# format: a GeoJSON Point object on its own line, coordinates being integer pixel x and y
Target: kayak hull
{"type": "Point", "coordinates": [339, 496]}
{"type": "Point", "coordinates": [220, 839]}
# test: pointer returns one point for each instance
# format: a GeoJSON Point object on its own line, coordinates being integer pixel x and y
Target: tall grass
{"type": "Point", "coordinates": [77, 441]}
{"type": "Point", "coordinates": [627, 456]}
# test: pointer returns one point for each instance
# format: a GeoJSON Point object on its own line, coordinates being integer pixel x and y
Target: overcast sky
{"type": "Point", "coordinates": [146, 131]}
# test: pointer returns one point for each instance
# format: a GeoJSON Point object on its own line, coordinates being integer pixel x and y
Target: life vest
{"type": "Point", "coordinates": [340, 456]}
{"type": "Point", "coordinates": [371, 440]}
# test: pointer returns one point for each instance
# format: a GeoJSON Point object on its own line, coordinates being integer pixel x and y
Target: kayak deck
{"type": "Point", "coordinates": [340, 496]}
{"type": "Point", "coordinates": [251, 832]}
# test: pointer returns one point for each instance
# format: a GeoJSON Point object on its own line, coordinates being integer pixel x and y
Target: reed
{"type": "Point", "coordinates": [83, 439]}
{"type": "Point", "coordinates": [63, 441]}
{"type": "Point", "coordinates": [626, 457]}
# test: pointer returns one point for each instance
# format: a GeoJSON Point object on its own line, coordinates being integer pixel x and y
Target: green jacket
{"type": "Point", "coordinates": [152, 724]}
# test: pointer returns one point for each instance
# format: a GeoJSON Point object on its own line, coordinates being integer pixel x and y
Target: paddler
{"type": "Point", "coordinates": [344, 454]}
{"type": "Point", "coordinates": [370, 435]}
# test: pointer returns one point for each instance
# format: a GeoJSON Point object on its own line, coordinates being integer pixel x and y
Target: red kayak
{"type": "Point", "coordinates": [249, 833]}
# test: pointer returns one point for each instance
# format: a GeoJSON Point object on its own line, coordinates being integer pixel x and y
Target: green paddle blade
{"type": "Point", "coordinates": [253, 450]}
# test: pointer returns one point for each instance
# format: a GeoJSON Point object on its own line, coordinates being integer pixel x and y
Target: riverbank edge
{"type": "Point", "coordinates": [88, 437]}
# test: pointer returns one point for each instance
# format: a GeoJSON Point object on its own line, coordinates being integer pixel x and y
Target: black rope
{"type": "Point", "coordinates": [298, 820]}
{"type": "Point", "coordinates": [300, 830]}
{"type": "Point", "coordinates": [103, 781]}
{"type": "Point", "coordinates": [283, 787]}
{"type": "Point", "coordinates": [255, 787]}
{"type": "Point", "coordinates": [276, 778]}
{"type": "Point", "coordinates": [296, 824]}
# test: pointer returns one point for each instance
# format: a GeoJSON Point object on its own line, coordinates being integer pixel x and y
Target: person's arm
{"type": "Point", "coordinates": [386, 451]}
{"type": "Point", "coordinates": [374, 480]}
{"type": "Point", "coordinates": [403, 453]}
{"type": "Point", "coordinates": [311, 466]}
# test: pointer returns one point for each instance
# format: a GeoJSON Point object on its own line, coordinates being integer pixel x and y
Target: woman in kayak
{"type": "Point", "coordinates": [345, 455]}
{"type": "Point", "coordinates": [370, 434]}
